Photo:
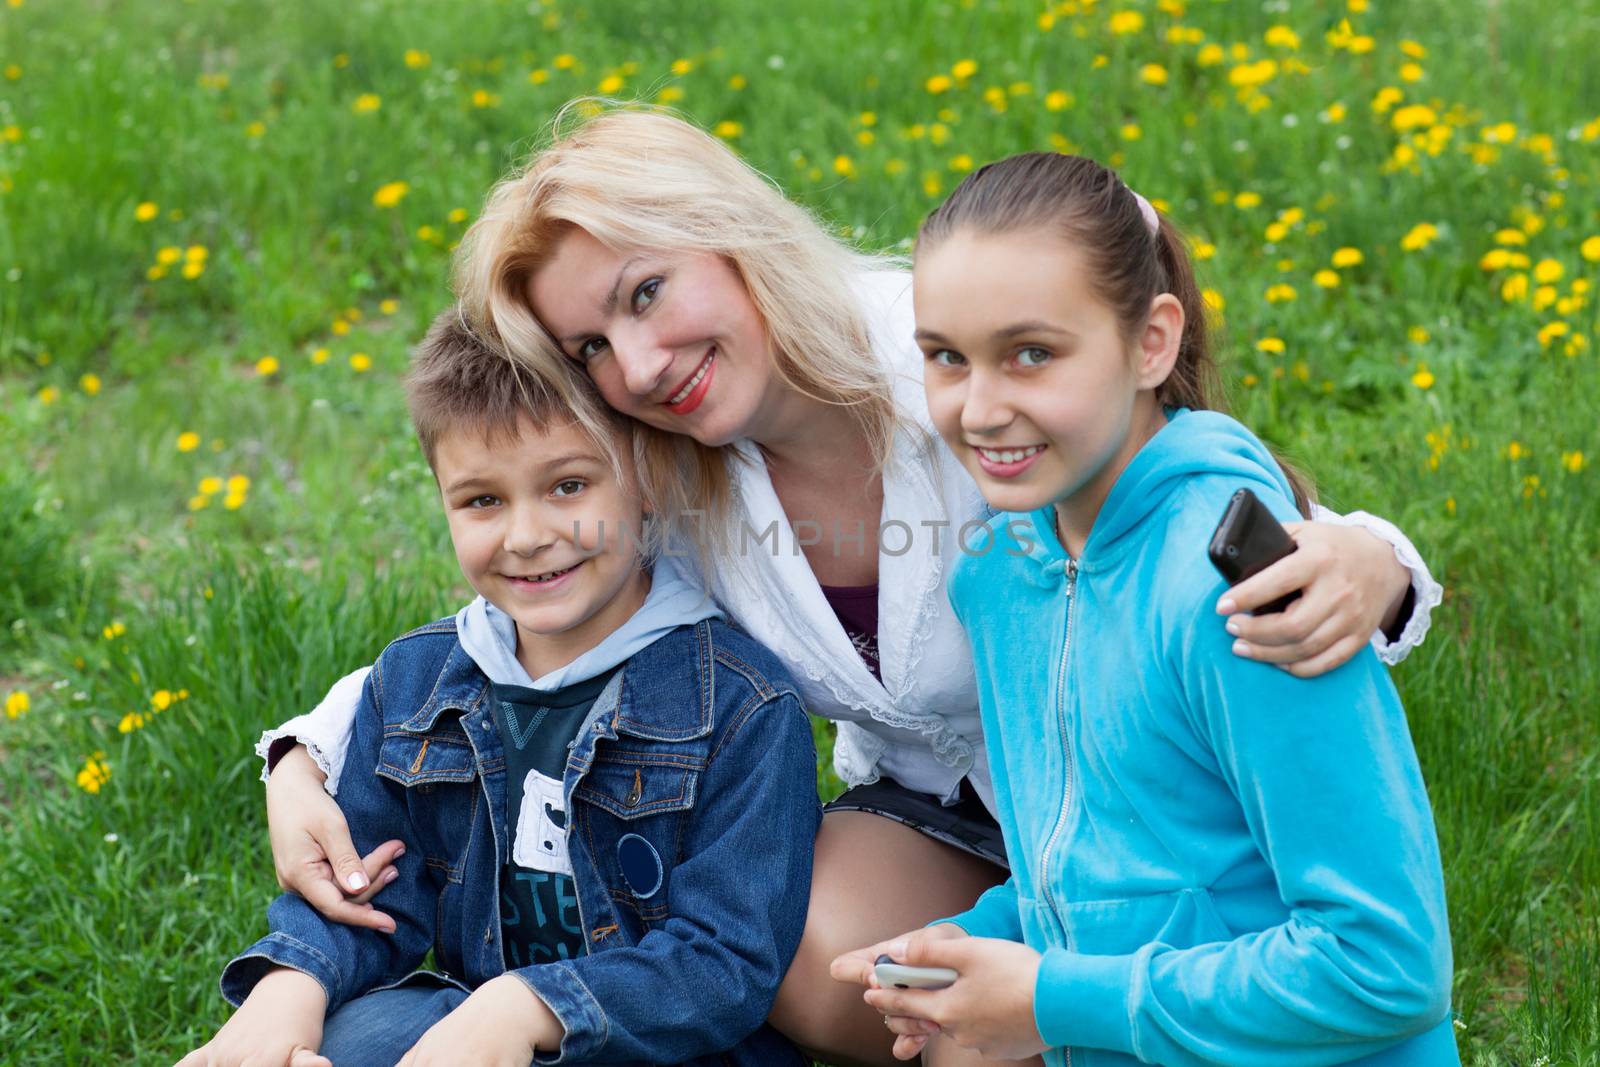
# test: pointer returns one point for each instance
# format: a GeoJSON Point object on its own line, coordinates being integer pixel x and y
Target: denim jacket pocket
{"type": "Point", "coordinates": [421, 759]}
{"type": "Point", "coordinates": [632, 786]}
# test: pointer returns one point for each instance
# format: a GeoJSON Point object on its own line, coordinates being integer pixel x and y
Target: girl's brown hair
{"type": "Point", "coordinates": [1088, 205]}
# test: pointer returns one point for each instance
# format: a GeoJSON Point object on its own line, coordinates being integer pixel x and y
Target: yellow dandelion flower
{"type": "Point", "coordinates": [680, 67]}
{"type": "Point", "coordinates": [727, 129]}
{"type": "Point", "coordinates": [1424, 378]}
{"type": "Point", "coordinates": [389, 306]}
{"type": "Point", "coordinates": [210, 486]}
{"type": "Point", "coordinates": [193, 269]}
{"type": "Point", "coordinates": [196, 254]}
{"type": "Point", "coordinates": [964, 69]}
{"type": "Point", "coordinates": [1204, 250]}
{"type": "Point", "coordinates": [1214, 300]}
{"type": "Point", "coordinates": [939, 133]}
{"type": "Point", "coordinates": [114, 630]}
{"type": "Point", "coordinates": [1347, 257]}
{"type": "Point", "coordinates": [367, 103]}
{"type": "Point", "coordinates": [360, 362]}
{"type": "Point", "coordinates": [339, 328]}
{"type": "Point", "coordinates": [233, 501]}
{"type": "Point", "coordinates": [1413, 49]}
{"type": "Point", "coordinates": [939, 83]}
{"type": "Point", "coordinates": [1282, 293]}
{"type": "Point", "coordinates": [90, 383]}
{"type": "Point", "coordinates": [1495, 259]}
{"type": "Point", "coordinates": [96, 772]}
{"type": "Point", "coordinates": [169, 255]}
{"type": "Point", "coordinates": [1419, 237]}
{"type": "Point", "coordinates": [1282, 37]}
{"type": "Point", "coordinates": [844, 166]}
{"type": "Point", "coordinates": [1250, 381]}
{"type": "Point", "coordinates": [238, 483]}
{"type": "Point", "coordinates": [49, 395]}
{"type": "Point", "coordinates": [1131, 131]}
{"type": "Point", "coordinates": [1326, 279]}
{"type": "Point", "coordinates": [1273, 346]}
{"type": "Point", "coordinates": [894, 167]}
{"type": "Point", "coordinates": [390, 194]}
{"type": "Point", "coordinates": [1509, 236]}
{"type": "Point", "coordinates": [565, 61]}
{"type": "Point", "coordinates": [1247, 200]}
{"type": "Point", "coordinates": [458, 214]}
{"type": "Point", "coordinates": [131, 722]}
{"type": "Point", "coordinates": [538, 76]}
{"type": "Point", "coordinates": [155, 272]}
{"type": "Point", "coordinates": [267, 366]}
{"type": "Point", "coordinates": [1547, 271]}
{"type": "Point", "coordinates": [931, 185]}
{"type": "Point", "coordinates": [1275, 232]}
{"type": "Point", "coordinates": [188, 441]}
{"type": "Point", "coordinates": [319, 355]}
{"type": "Point", "coordinates": [146, 211]}
{"type": "Point", "coordinates": [612, 83]}
{"type": "Point", "coordinates": [1573, 462]}
{"type": "Point", "coordinates": [1543, 297]}
{"type": "Point", "coordinates": [13, 72]}
{"type": "Point", "coordinates": [1413, 116]}
{"type": "Point", "coordinates": [961, 163]}
{"type": "Point", "coordinates": [1153, 74]}
{"type": "Point", "coordinates": [1514, 288]}
{"type": "Point", "coordinates": [1335, 112]}
{"type": "Point", "coordinates": [1211, 55]}
{"type": "Point", "coordinates": [1123, 23]}
{"type": "Point", "coordinates": [198, 502]}
{"type": "Point", "coordinates": [1058, 100]}
{"type": "Point", "coordinates": [1411, 72]}
{"type": "Point", "coordinates": [1386, 98]}
{"type": "Point", "coordinates": [1517, 450]}
{"type": "Point", "coordinates": [416, 58]}
{"type": "Point", "coordinates": [16, 704]}
{"type": "Point", "coordinates": [737, 82]}
{"type": "Point", "coordinates": [1418, 334]}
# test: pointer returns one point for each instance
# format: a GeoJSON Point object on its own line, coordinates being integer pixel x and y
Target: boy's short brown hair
{"type": "Point", "coordinates": [462, 380]}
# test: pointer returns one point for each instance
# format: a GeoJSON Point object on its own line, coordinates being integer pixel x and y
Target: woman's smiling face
{"type": "Point", "coordinates": [670, 338]}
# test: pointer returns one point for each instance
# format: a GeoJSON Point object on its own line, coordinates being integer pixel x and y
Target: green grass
{"type": "Point", "coordinates": [120, 906]}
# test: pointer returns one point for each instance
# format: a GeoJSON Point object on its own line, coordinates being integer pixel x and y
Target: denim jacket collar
{"type": "Point", "coordinates": [633, 699]}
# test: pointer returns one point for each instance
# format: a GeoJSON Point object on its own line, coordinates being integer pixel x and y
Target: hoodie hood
{"type": "Point", "coordinates": [1192, 442]}
{"type": "Point", "coordinates": [489, 635]}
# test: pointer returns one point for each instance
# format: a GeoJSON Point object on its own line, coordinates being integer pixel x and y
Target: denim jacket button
{"type": "Point", "coordinates": [631, 799]}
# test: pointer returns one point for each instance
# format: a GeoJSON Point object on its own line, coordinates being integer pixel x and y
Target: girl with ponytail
{"type": "Point", "coordinates": [1212, 861]}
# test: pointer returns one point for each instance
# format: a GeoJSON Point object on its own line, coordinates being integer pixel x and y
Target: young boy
{"type": "Point", "coordinates": [606, 793]}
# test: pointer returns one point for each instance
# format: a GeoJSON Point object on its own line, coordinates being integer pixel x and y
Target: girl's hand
{"type": "Point", "coordinates": [278, 1025]}
{"type": "Point", "coordinates": [502, 1024]}
{"type": "Point", "coordinates": [311, 846]}
{"type": "Point", "coordinates": [988, 1008]}
{"type": "Point", "coordinates": [856, 966]}
{"type": "Point", "coordinates": [1351, 585]}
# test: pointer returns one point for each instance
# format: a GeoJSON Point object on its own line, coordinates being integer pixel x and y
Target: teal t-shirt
{"type": "Point", "coordinates": [538, 903]}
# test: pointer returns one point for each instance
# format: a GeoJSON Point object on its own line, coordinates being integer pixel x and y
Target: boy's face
{"type": "Point", "coordinates": [544, 532]}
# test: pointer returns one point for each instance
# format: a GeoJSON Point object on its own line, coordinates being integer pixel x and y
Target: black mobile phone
{"type": "Point", "coordinates": [1248, 540]}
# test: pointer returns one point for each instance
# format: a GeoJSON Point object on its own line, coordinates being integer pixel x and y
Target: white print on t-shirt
{"type": "Point", "coordinates": [540, 843]}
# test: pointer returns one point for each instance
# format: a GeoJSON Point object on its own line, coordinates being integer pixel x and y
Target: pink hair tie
{"type": "Point", "coordinates": [1151, 220]}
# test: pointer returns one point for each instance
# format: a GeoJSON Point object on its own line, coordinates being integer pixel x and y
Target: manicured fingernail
{"type": "Point", "coordinates": [1226, 606]}
{"type": "Point", "coordinates": [1233, 627]}
{"type": "Point", "coordinates": [390, 876]}
{"type": "Point", "coordinates": [1242, 649]}
{"type": "Point", "coordinates": [401, 851]}
{"type": "Point", "coordinates": [897, 949]}
{"type": "Point", "coordinates": [358, 882]}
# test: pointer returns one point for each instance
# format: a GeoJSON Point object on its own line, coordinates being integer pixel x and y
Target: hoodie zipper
{"type": "Point", "coordinates": [1045, 880]}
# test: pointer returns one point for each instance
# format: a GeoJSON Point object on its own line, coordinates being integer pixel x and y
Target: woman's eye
{"type": "Point", "coordinates": [644, 294]}
{"type": "Point", "coordinates": [570, 487]}
{"type": "Point", "coordinates": [946, 358]}
{"type": "Point", "coordinates": [591, 348]}
{"type": "Point", "coordinates": [485, 501]}
{"type": "Point", "coordinates": [1032, 357]}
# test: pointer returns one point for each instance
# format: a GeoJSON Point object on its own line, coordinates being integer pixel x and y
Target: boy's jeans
{"type": "Point", "coordinates": [376, 1029]}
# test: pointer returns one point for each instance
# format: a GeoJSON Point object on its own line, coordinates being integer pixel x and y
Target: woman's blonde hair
{"type": "Point", "coordinates": [637, 178]}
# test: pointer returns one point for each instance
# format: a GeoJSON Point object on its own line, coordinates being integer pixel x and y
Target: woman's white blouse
{"type": "Point", "coordinates": [920, 725]}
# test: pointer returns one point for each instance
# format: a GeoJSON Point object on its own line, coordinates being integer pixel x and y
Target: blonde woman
{"type": "Point", "coordinates": [639, 251]}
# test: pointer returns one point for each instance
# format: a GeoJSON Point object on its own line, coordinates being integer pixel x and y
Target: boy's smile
{"type": "Point", "coordinates": [544, 531]}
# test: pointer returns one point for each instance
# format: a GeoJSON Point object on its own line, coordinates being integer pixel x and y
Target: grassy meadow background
{"type": "Point", "coordinates": [222, 223]}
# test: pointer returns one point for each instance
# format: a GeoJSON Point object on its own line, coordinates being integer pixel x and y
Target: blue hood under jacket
{"type": "Point", "coordinates": [1220, 863]}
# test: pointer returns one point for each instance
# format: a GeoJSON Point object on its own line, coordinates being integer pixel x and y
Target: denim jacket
{"type": "Point", "coordinates": [699, 747]}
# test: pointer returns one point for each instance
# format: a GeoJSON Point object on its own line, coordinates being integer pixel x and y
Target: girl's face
{"type": "Point", "coordinates": [1029, 378]}
{"type": "Point", "coordinates": [672, 339]}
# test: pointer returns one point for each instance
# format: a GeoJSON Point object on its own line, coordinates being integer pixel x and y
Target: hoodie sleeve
{"type": "Point", "coordinates": [1335, 803]}
{"type": "Point", "coordinates": [993, 915]}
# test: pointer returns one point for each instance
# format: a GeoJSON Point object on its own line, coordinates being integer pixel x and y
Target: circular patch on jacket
{"type": "Point", "coordinates": [641, 865]}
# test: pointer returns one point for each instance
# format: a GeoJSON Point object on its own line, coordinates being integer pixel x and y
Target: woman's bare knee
{"type": "Point", "coordinates": [873, 878]}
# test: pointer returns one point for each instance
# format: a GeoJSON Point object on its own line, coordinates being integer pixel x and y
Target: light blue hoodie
{"type": "Point", "coordinates": [1221, 863]}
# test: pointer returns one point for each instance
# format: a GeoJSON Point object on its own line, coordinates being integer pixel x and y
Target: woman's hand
{"type": "Point", "coordinates": [502, 1024]}
{"type": "Point", "coordinates": [1351, 585]}
{"type": "Point", "coordinates": [278, 1025]}
{"type": "Point", "coordinates": [311, 847]}
{"type": "Point", "coordinates": [989, 1007]}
